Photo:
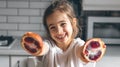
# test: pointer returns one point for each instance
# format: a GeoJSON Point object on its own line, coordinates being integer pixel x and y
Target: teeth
{"type": "Point", "coordinates": [60, 36]}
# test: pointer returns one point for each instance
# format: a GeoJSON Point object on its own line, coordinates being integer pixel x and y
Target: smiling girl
{"type": "Point", "coordinates": [63, 48]}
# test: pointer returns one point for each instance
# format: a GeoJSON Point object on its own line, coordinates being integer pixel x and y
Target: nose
{"type": "Point", "coordinates": [59, 30]}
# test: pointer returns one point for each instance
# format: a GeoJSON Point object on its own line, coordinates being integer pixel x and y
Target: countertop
{"type": "Point", "coordinates": [14, 49]}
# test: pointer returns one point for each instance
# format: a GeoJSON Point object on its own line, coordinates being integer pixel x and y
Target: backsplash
{"type": "Point", "coordinates": [20, 16]}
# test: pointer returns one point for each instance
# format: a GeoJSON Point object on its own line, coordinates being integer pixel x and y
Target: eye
{"type": "Point", "coordinates": [52, 27]}
{"type": "Point", "coordinates": [63, 24]}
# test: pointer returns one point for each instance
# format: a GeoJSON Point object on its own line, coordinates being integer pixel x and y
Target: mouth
{"type": "Point", "coordinates": [61, 37]}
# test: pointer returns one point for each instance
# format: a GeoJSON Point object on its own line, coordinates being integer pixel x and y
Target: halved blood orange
{"type": "Point", "coordinates": [32, 43]}
{"type": "Point", "coordinates": [94, 49]}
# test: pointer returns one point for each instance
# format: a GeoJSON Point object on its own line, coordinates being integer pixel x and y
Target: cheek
{"type": "Point", "coordinates": [51, 34]}
{"type": "Point", "coordinates": [69, 29]}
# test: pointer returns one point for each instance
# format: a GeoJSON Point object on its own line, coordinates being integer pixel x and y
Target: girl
{"type": "Point", "coordinates": [62, 49]}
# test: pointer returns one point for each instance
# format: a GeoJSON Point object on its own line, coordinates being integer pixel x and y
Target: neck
{"type": "Point", "coordinates": [64, 46]}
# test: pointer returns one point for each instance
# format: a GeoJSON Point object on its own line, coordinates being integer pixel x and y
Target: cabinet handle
{"type": "Point", "coordinates": [18, 63]}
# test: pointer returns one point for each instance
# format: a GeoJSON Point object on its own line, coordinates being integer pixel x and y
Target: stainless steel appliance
{"type": "Point", "coordinates": [107, 28]}
{"type": "Point", "coordinates": [6, 42]}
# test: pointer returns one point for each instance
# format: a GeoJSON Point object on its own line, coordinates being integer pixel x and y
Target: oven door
{"type": "Point", "coordinates": [107, 28]}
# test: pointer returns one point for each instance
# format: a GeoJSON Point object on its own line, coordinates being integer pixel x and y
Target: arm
{"type": "Point", "coordinates": [79, 53]}
{"type": "Point", "coordinates": [33, 44]}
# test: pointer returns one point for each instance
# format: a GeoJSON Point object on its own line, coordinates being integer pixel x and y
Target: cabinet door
{"type": "Point", "coordinates": [101, 4]}
{"type": "Point", "coordinates": [4, 61]}
{"type": "Point", "coordinates": [18, 61]}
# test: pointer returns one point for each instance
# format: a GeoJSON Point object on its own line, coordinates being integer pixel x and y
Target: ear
{"type": "Point", "coordinates": [75, 20]}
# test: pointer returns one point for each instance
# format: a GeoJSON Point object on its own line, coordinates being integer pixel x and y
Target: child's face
{"type": "Point", "coordinates": [60, 28]}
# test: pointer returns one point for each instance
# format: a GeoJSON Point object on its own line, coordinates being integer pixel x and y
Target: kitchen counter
{"type": "Point", "coordinates": [15, 49]}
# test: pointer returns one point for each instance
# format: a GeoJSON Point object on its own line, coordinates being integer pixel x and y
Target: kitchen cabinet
{"type": "Point", "coordinates": [14, 56]}
{"type": "Point", "coordinates": [18, 61]}
{"type": "Point", "coordinates": [13, 61]}
{"type": "Point", "coordinates": [4, 61]}
{"type": "Point", "coordinates": [101, 4]}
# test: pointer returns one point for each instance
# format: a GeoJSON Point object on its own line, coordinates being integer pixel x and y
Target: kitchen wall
{"type": "Point", "coordinates": [20, 16]}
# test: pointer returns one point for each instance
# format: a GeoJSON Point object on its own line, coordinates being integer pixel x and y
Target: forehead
{"type": "Point", "coordinates": [56, 17]}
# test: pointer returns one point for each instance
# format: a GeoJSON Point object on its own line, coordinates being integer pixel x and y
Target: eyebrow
{"type": "Point", "coordinates": [58, 22]}
{"type": "Point", "coordinates": [50, 25]}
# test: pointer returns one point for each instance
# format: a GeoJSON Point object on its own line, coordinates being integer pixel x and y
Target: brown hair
{"type": "Point", "coordinates": [62, 6]}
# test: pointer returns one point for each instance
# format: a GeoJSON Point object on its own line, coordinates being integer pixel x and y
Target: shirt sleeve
{"type": "Point", "coordinates": [46, 48]}
{"type": "Point", "coordinates": [34, 62]}
{"type": "Point", "coordinates": [39, 59]}
{"type": "Point", "coordinates": [80, 41]}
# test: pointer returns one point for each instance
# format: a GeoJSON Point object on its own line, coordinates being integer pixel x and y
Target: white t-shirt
{"type": "Point", "coordinates": [55, 57]}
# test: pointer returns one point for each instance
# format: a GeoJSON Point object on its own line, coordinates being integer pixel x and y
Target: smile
{"type": "Point", "coordinates": [60, 37]}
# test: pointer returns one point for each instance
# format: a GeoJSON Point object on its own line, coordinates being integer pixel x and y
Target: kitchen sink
{"type": "Point", "coordinates": [6, 42]}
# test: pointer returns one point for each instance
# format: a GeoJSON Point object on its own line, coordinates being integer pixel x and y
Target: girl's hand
{"type": "Point", "coordinates": [94, 49]}
{"type": "Point", "coordinates": [33, 44]}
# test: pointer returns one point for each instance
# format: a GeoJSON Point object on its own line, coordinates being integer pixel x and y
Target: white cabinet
{"type": "Point", "coordinates": [101, 4]}
{"type": "Point", "coordinates": [13, 61]}
{"type": "Point", "coordinates": [4, 61]}
{"type": "Point", "coordinates": [109, 61]}
{"type": "Point", "coordinates": [18, 61]}
{"type": "Point", "coordinates": [111, 57]}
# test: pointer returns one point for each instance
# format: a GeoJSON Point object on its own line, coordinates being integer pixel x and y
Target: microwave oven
{"type": "Point", "coordinates": [106, 28]}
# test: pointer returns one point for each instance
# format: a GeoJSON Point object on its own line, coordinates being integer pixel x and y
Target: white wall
{"type": "Point", "coordinates": [20, 16]}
